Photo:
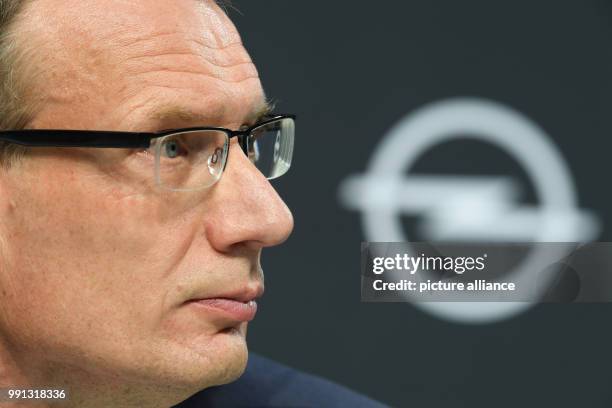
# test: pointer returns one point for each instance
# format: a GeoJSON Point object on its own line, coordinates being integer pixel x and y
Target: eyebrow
{"type": "Point", "coordinates": [262, 110]}
{"type": "Point", "coordinates": [174, 113]}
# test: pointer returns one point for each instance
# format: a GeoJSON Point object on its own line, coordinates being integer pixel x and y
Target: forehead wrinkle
{"type": "Point", "coordinates": [179, 52]}
{"type": "Point", "coordinates": [119, 44]}
{"type": "Point", "coordinates": [223, 30]}
{"type": "Point", "coordinates": [149, 45]}
{"type": "Point", "coordinates": [130, 20]}
{"type": "Point", "coordinates": [205, 32]}
{"type": "Point", "coordinates": [181, 79]}
{"type": "Point", "coordinates": [126, 33]}
{"type": "Point", "coordinates": [213, 98]}
{"type": "Point", "coordinates": [213, 58]}
{"type": "Point", "coordinates": [183, 69]}
{"type": "Point", "coordinates": [174, 69]}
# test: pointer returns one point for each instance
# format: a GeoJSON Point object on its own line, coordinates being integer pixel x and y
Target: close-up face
{"type": "Point", "coordinates": [101, 268]}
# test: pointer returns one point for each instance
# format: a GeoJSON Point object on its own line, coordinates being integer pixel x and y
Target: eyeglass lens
{"type": "Point", "coordinates": [270, 147]}
{"type": "Point", "coordinates": [195, 160]}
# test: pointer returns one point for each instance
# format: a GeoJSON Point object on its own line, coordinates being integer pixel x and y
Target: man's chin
{"type": "Point", "coordinates": [223, 359]}
{"type": "Point", "coordinates": [234, 361]}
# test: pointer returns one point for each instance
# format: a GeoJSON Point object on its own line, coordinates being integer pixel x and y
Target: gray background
{"type": "Point", "coordinates": [351, 70]}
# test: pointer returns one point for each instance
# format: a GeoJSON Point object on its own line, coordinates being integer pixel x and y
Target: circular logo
{"type": "Point", "coordinates": [383, 194]}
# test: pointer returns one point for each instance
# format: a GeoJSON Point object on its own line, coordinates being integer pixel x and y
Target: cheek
{"type": "Point", "coordinates": [87, 261]}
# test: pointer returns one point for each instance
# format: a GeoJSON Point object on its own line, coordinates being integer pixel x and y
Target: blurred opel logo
{"type": "Point", "coordinates": [470, 208]}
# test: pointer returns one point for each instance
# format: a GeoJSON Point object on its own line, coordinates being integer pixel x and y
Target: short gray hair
{"type": "Point", "coordinates": [15, 110]}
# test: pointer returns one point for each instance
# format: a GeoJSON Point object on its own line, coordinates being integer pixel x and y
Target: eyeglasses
{"type": "Point", "coordinates": [185, 159]}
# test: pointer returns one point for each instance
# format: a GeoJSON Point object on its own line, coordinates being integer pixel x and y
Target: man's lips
{"type": "Point", "coordinates": [229, 308]}
{"type": "Point", "coordinates": [239, 305]}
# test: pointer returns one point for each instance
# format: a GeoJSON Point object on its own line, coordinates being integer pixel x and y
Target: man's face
{"type": "Point", "coordinates": [98, 263]}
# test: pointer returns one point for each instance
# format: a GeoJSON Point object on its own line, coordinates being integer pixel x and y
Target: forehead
{"type": "Point", "coordinates": [128, 59]}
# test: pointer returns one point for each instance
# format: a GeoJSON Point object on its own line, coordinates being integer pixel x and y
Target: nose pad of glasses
{"type": "Point", "coordinates": [215, 163]}
{"type": "Point", "coordinates": [253, 152]}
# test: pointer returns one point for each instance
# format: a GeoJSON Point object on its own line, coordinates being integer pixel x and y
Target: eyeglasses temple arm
{"type": "Point", "coordinates": [77, 138]}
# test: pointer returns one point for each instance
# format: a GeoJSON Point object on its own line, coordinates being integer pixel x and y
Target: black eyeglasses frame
{"type": "Point", "coordinates": [119, 139]}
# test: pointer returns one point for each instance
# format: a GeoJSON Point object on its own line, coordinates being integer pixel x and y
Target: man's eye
{"type": "Point", "coordinates": [173, 148]}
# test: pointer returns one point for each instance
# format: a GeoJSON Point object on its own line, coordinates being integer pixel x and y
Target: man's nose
{"type": "Point", "coordinates": [247, 209]}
